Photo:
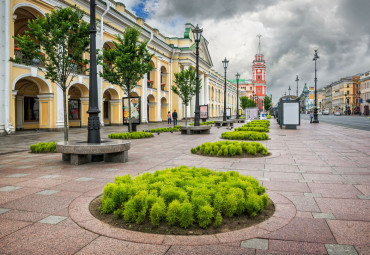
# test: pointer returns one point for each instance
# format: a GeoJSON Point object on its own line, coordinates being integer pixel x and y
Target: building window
{"type": "Point", "coordinates": [347, 92]}
{"type": "Point", "coordinates": [106, 109]}
{"type": "Point", "coordinates": [259, 90]}
{"type": "Point", "coordinates": [251, 88]}
{"type": "Point", "coordinates": [259, 77]}
{"type": "Point", "coordinates": [74, 106]}
{"type": "Point", "coordinates": [347, 85]}
{"type": "Point", "coordinates": [31, 109]}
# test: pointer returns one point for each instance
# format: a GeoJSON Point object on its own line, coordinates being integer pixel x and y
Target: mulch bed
{"type": "Point", "coordinates": [228, 224]}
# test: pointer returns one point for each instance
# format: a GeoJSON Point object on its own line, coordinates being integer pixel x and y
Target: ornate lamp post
{"type": "Point", "coordinates": [237, 95]}
{"type": "Point", "coordinates": [315, 116]}
{"type": "Point", "coordinates": [296, 79]}
{"type": "Point", "coordinates": [197, 32]}
{"type": "Point", "coordinates": [289, 90]}
{"type": "Point", "coordinates": [225, 62]}
{"type": "Point", "coordinates": [93, 126]}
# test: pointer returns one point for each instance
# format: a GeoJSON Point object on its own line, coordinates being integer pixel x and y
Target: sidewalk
{"type": "Point", "coordinates": [318, 176]}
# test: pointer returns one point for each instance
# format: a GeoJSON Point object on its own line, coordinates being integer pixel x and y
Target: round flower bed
{"type": "Point", "coordinates": [133, 135]}
{"type": "Point", "coordinates": [255, 128]}
{"type": "Point", "coordinates": [230, 149]}
{"type": "Point", "coordinates": [44, 147]}
{"type": "Point", "coordinates": [183, 197]}
{"type": "Point", "coordinates": [245, 135]}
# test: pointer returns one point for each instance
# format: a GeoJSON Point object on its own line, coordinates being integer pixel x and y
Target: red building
{"type": "Point", "coordinates": [259, 77]}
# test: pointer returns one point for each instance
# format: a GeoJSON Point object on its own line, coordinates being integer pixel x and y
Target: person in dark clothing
{"type": "Point", "coordinates": [174, 118]}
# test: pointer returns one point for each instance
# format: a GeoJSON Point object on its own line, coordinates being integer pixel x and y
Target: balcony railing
{"type": "Point", "coordinates": [34, 62]}
{"type": "Point", "coordinates": [163, 86]}
{"type": "Point", "coordinates": [150, 84]}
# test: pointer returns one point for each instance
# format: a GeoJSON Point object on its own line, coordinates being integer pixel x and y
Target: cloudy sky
{"type": "Point", "coordinates": [290, 30]}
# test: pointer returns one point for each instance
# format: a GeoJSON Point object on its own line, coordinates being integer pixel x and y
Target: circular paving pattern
{"type": "Point", "coordinates": [284, 213]}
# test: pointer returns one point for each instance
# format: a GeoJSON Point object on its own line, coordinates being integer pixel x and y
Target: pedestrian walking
{"type": "Point", "coordinates": [169, 118]}
{"type": "Point", "coordinates": [174, 117]}
{"type": "Point", "coordinates": [311, 116]}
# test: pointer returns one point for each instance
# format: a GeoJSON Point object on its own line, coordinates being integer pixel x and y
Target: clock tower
{"type": "Point", "coordinates": [259, 76]}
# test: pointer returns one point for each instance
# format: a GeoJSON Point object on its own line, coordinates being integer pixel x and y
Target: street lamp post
{"type": "Point", "coordinates": [225, 62]}
{"type": "Point", "coordinates": [297, 79]}
{"type": "Point", "coordinates": [197, 32]}
{"type": "Point", "coordinates": [315, 116]}
{"type": "Point", "coordinates": [289, 90]}
{"type": "Point", "coordinates": [237, 95]}
{"type": "Point", "coordinates": [93, 126]}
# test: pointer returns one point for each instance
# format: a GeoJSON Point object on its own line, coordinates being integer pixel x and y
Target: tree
{"type": "Point", "coordinates": [267, 103]}
{"type": "Point", "coordinates": [58, 42]}
{"type": "Point", "coordinates": [245, 102]}
{"type": "Point", "coordinates": [126, 64]}
{"type": "Point", "coordinates": [185, 88]}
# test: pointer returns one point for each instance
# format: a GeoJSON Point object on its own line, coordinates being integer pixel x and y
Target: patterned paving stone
{"type": "Point", "coordinates": [350, 232]}
{"type": "Point", "coordinates": [47, 192]}
{"type": "Point", "coordinates": [16, 175]}
{"type": "Point", "coordinates": [52, 219]}
{"type": "Point", "coordinates": [296, 247]}
{"type": "Point", "coordinates": [317, 215]}
{"type": "Point", "coordinates": [363, 197]}
{"type": "Point", "coordinates": [50, 176]}
{"type": "Point", "coordinates": [84, 179]}
{"type": "Point", "coordinates": [338, 249]}
{"type": "Point", "coordinates": [256, 243]}
{"type": "Point", "coordinates": [312, 194]}
{"type": "Point", "coordinates": [345, 209]}
{"type": "Point", "coordinates": [4, 210]}
{"type": "Point", "coordinates": [9, 188]}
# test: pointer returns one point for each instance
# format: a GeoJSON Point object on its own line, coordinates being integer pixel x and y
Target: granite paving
{"type": "Point", "coordinates": [318, 176]}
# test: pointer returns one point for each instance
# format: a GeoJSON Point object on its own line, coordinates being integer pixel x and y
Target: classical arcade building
{"type": "Point", "coordinates": [30, 101]}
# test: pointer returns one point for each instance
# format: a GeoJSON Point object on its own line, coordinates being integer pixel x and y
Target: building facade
{"type": "Point", "coordinates": [364, 84]}
{"type": "Point", "coordinates": [30, 101]}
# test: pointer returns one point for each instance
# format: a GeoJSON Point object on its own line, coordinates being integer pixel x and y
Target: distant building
{"type": "Point", "coordinates": [364, 84]}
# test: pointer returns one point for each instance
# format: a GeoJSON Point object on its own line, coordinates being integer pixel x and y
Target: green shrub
{"type": "Point", "coordinates": [183, 196]}
{"type": "Point", "coordinates": [133, 135]}
{"type": "Point", "coordinates": [167, 129]}
{"type": "Point", "coordinates": [244, 135]}
{"type": "Point", "coordinates": [204, 123]}
{"type": "Point", "coordinates": [255, 128]}
{"type": "Point", "coordinates": [228, 148]}
{"type": "Point", "coordinates": [268, 116]}
{"type": "Point", "coordinates": [44, 147]}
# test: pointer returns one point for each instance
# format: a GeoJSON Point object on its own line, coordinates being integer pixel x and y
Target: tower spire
{"type": "Point", "coordinates": [259, 44]}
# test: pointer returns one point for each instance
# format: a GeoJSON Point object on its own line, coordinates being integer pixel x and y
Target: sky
{"type": "Point", "coordinates": [290, 29]}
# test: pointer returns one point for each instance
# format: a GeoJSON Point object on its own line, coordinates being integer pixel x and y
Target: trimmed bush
{"type": "Point", "coordinates": [133, 135]}
{"type": "Point", "coordinates": [44, 147]}
{"type": "Point", "coordinates": [204, 123]}
{"type": "Point", "coordinates": [229, 149]}
{"type": "Point", "coordinates": [245, 135]}
{"type": "Point", "coordinates": [254, 129]}
{"type": "Point", "coordinates": [258, 122]}
{"type": "Point", "coordinates": [183, 196]}
{"type": "Point", "coordinates": [167, 129]}
{"type": "Point", "coordinates": [268, 116]}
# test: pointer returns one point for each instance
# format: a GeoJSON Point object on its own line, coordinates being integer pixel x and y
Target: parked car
{"type": "Point", "coordinates": [325, 112]}
{"type": "Point", "coordinates": [337, 113]}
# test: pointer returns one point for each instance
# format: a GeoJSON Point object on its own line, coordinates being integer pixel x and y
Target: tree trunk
{"type": "Point", "coordinates": [65, 114]}
{"type": "Point", "coordinates": [129, 114]}
{"type": "Point", "coordinates": [186, 115]}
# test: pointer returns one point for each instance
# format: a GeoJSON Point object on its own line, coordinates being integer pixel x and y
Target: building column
{"type": "Point", "coordinates": [159, 89]}
{"type": "Point", "coordinates": [202, 92]}
{"type": "Point", "coordinates": [60, 108]}
{"type": "Point", "coordinates": [45, 109]}
{"type": "Point", "coordinates": [84, 108]}
{"type": "Point", "coordinates": [206, 87]}
{"type": "Point", "coordinates": [170, 88]}
{"type": "Point", "coordinates": [19, 101]}
{"type": "Point", "coordinates": [144, 100]}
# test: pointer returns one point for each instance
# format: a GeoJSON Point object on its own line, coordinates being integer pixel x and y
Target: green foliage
{"type": "Point", "coordinates": [228, 148]}
{"type": "Point", "coordinates": [133, 135]}
{"type": "Point", "coordinates": [167, 129]}
{"type": "Point", "coordinates": [182, 196]}
{"type": "Point", "coordinates": [126, 63]}
{"type": "Point", "coordinates": [268, 116]}
{"type": "Point", "coordinates": [44, 147]}
{"type": "Point", "coordinates": [55, 43]}
{"type": "Point", "coordinates": [253, 128]}
{"type": "Point", "coordinates": [267, 102]}
{"type": "Point", "coordinates": [244, 135]}
{"type": "Point", "coordinates": [245, 102]}
{"type": "Point", "coordinates": [264, 123]}
{"type": "Point", "coordinates": [185, 87]}
{"type": "Point", "coordinates": [204, 123]}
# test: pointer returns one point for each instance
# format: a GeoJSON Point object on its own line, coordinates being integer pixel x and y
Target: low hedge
{"type": "Point", "coordinates": [259, 122]}
{"type": "Point", "coordinates": [268, 116]}
{"type": "Point", "coordinates": [227, 148]}
{"type": "Point", "coordinates": [167, 129]}
{"type": "Point", "coordinates": [204, 123]}
{"type": "Point", "coordinates": [182, 197]}
{"type": "Point", "coordinates": [255, 128]}
{"type": "Point", "coordinates": [245, 135]}
{"type": "Point", "coordinates": [133, 135]}
{"type": "Point", "coordinates": [44, 147]}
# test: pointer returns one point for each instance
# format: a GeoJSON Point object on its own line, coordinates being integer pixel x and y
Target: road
{"type": "Point", "coordinates": [356, 122]}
